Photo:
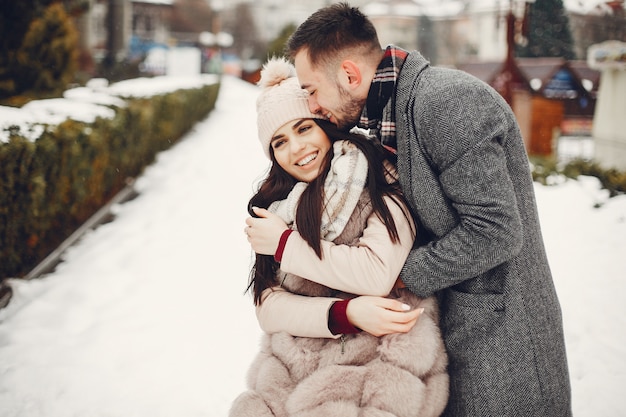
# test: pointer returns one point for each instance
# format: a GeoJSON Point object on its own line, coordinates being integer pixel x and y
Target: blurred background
{"type": "Point", "coordinates": [538, 54]}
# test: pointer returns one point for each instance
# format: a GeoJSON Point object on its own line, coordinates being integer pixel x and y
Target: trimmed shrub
{"type": "Point", "coordinates": [611, 179]}
{"type": "Point", "coordinates": [51, 186]}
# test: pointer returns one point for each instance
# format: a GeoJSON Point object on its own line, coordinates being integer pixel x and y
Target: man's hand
{"type": "Point", "coordinates": [264, 232]}
{"type": "Point", "coordinates": [380, 316]}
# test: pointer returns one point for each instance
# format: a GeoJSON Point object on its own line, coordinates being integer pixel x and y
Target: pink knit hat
{"type": "Point", "coordinates": [281, 100]}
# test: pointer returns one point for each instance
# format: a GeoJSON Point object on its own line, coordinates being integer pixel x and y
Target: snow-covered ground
{"type": "Point", "coordinates": [147, 315]}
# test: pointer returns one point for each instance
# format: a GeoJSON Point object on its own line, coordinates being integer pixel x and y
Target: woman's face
{"type": "Point", "coordinates": [299, 147]}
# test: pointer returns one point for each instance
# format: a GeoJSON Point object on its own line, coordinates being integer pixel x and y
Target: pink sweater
{"type": "Point", "coordinates": [369, 268]}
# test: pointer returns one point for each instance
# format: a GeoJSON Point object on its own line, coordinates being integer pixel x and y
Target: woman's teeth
{"type": "Point", "coordinates": [306, 160]}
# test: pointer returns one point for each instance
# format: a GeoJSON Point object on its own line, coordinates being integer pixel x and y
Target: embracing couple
{"type": "Point", "coordinates": [400, 268]}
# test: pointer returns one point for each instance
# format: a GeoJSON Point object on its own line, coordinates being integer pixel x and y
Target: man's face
{"type": "Point", "coordinates": [329, 96]}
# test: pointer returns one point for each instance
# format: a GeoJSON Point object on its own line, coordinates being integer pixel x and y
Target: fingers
{"type": "Point", "coordinates": [393, 305]}
{"type": "Point", "coordinates": [403, 327]}
{"type": "Point", "coordinates": [260, 211]}
{"type": "Point", "coordinates": [402, 317]}
{"type": "Point", "coordinates": [250, 221]}
{"type": "Point", "coordinates": [402, 322]}
{"type": "Point", "coordinates": [380, 316]}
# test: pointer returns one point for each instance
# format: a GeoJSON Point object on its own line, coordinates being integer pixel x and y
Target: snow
{"type": "Point", "coordinates": [56, 110]}
{"type": "Point", "coordinates": [583, 6]}
{"type": "Point", "coordinates": [85, 104]}
{"type": "Point", "coordinates": [147, 314]}
{"type": "Point", "coordinates": [158, 2]}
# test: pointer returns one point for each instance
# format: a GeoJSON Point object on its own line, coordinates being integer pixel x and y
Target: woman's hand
{"type": "Point", "coordinates": [380, 316]}
{"type": "Point", "coordinates": [264, 231]}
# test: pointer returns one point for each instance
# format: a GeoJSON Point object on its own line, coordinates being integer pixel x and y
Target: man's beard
{"type": "Point", "coordinates": [350, 109]}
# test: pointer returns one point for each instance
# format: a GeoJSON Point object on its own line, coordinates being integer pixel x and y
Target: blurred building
{"type": "Point", "coordinates": [452, 32]}
{"type": "Point", "coordinates": [93, 32]}
{"type": "Point", "coordinates": [551, 97]}
{"type": "Point", "coordinates": [122, 31]}
{"type": "Point", "coordinates": [396, 21]}
{"type": "Point", "coordinates": [447, 32]}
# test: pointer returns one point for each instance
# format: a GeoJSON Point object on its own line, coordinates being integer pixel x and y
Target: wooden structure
{"type": "Point", "coordinates": [549, 97]}
{"type": "Point", "coordinates": [561, 103]}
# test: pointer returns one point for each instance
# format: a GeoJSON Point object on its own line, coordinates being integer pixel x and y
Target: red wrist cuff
{"type": "Point", "coordinates": [338, 319]}
{"type": "Point", "coordinates": [278, 256]}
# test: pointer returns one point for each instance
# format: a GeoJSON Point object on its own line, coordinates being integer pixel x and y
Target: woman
{"type": "Point", "coordinates": [336, 196]}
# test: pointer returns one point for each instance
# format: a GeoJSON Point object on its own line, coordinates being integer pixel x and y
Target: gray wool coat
{"type": "Point", "coordinates": [465, 173]}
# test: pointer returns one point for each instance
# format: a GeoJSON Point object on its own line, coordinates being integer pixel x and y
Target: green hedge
{"type": "Point", "coordinates": [51, 186]}
{"type": "Point", "coordinates": [611, 179]}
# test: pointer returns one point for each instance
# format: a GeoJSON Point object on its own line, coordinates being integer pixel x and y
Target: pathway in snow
{"type": "Point", "coordinates": [147, 317]}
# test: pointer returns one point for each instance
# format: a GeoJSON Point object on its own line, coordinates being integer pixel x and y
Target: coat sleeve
{"type": "Point", "coordinates": [369, 268]}
{"type": "Point", "coordinates": [466, 143]}
{"type": "Point", "coordinates": [297, 315]}
{"type": "Point", "coordinates": [372, 266]}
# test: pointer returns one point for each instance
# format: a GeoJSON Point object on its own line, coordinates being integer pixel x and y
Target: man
{"type": "Point", "coordinates": [465, 173]}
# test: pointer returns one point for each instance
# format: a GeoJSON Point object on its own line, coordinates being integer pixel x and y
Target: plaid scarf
{"type": "Point", "coordinates": [379, 112]}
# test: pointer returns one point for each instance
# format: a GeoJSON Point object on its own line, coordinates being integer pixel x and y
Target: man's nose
{"type": "Point", "coordinates": [314, 106]}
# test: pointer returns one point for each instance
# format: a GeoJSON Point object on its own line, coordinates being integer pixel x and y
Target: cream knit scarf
{"type": "Point", "coordinates": [343, 187]}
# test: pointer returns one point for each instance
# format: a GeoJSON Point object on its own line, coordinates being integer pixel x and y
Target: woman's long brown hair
{"type": "Point", "coordinates": [278, 184]}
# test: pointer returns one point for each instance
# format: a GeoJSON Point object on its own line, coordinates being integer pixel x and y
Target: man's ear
{"type": "Point", "coordinates": [352, 73]}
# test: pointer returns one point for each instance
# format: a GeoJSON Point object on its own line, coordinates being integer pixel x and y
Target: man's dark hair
{"type": "Point", "coordinates": [331, 30]}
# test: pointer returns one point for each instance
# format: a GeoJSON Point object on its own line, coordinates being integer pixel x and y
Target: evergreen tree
{"type": "Point", "coordinates": [38, 48]}
{"type": "Point", "coordinates": [548, 31]}
{"type": "Point", "coordinates": [48, 55]}
{"type": "Point", "coordinates": [14, 21]}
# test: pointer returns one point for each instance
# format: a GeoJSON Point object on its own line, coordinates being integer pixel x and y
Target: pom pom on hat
{"type": "Point", "coordinates": [275, 71]}
{"type": "Point", "coordinates": [281, 100]}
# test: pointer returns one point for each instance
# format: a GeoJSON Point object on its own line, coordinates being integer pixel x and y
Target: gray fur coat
{"type": "Point", "coordinates": [400, 375]}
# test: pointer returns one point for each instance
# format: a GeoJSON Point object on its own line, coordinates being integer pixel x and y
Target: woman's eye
{"type": "Point", "coordinates": [278, 143]}
{"type": "Point", "coordinates": [303, 129]}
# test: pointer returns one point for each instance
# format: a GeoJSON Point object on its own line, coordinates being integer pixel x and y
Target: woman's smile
{"type": "Point", "coordinates": [307, 159]}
